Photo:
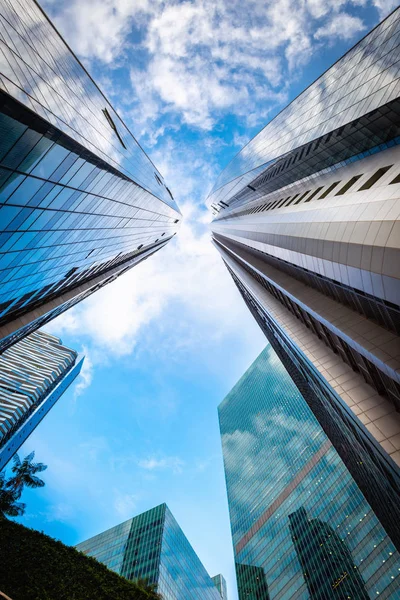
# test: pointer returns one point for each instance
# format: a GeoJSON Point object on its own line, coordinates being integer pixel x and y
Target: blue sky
{"type": "Point", "coordinates": [165, 343]}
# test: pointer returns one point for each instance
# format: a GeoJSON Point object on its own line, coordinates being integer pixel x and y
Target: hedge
{"type": "Point", "coordinates": [34, 566]}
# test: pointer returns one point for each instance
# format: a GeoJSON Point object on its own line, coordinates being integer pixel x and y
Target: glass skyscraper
{"type": "Point", "coordinates": [307, 221]}
{"type": "Point", "coordinates": [80, 201]}
{"type": "Point", "coordinates": [34, 373]}
{"type": "Point", "coordinates": [220, 584]}
{"type": "Point", "coordinates": [301, 527]}
{"type": "Point", "coordinates": [152, 546]}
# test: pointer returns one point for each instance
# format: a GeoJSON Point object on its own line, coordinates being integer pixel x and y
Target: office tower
{"type": "Point", "coordinates": [310, 210]}
{"type": "Point", "coordinates": [324, 557]}
{"type": "Point", "coordinates": [34, 373]}
{"type": "Point", "coordinates": [251, 582]}
{"type": "Point", "coordinates": [301, 526]}
{"type": "Point", "coordinates": [80, 201]}
{"type": "Point", "coordinates": [152, 546]}
{"type": "Point", "coordinates": [308, 225]}
{"type": "Point", "coordinates": [220, 583]}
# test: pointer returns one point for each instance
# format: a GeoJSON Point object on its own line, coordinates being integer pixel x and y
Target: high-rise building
{"type": "Point", "coordinates": [80, 201]}
{"type": "Point", "coordinates": [220, 583]}
{"type": "Point", "coordinates": [325, 558]}
{"type": "Point", "coordinates": [34, 373]}
{"type": "Point", "coordinates": [308, 224]}
{"type": "Point", "coordinates": [251, 582]}
{"type": "Point", "coordinates": [301, 527]}
{"type": "Point", "coordinates": [152, 546]}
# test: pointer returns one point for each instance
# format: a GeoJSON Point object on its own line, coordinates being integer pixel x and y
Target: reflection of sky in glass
{"type": "Point", "coordinates": [182, 575]}
{"type": "Point", "coordinates": [79, 199]}
{"type": "Point", "coordinates": [153, 546]}
{"type": "Point", "coordinates": [40, 71]}
{"type": "Point", "coordinates": [364, 79]}
{"type": "Point", "coordinates": [60, 212]}
{"type": "Point", "coordinates": [278, 460]}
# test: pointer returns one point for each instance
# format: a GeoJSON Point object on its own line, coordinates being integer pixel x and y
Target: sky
{"type": "Point", "coordinates": [194, 81]}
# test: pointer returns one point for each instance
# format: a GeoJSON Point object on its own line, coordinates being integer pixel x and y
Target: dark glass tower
{"type": "Point", "coordinates": [34, 373]}
{"type": "Point", "coordinates": [307, 223]}
{"type": "Point", "coordinates": [80, 201]}
{"type": "Point", "coordinates": [327, 563]}
{"type": "Point", "coordinates": [251, 582]}
{"type": "Point", "coordinates": [302, 529]}
{"type": "Point", "coordinates": [152, 546]}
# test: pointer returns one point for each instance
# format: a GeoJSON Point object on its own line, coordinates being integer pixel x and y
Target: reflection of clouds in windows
{"type": "Point", "coordinates": [278, 460]}
{"type": "Point", "coordinates": [352, 87]}
{"type": "Point", "coordinates": [42, 73]}
{"type": "Point", "coordinates": [272, 443]}
{"type": "Point", "coordinates": [80, 207]}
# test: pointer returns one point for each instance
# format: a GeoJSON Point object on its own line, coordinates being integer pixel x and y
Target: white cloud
{"type": "Point", "coordinates": [343, 26]}
{"type": "Point", "coordinates": [97, 29]}
{"type": "Point", "coordinates": [86, 374]}
{"type": "Point", "coordinates": [172, 463]}
{"type": "Point", "coordinates": [93, 448]}
{"type": "Point", "coordinates": [125, 505]}
{"type": "Point", "coordinates": [384, 7]}
{"type": "Point", "coordinates": [60, 512]}
{"type": "Point", "coordinates": [199, 60]}
{"type": "Point", "coordinates": [183, 290]}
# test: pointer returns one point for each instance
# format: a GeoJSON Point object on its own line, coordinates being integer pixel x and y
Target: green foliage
{"type": "Point", "coordinates": [9, 505]}
{"type": "Point", "coordinates": [34, 566]}
{"type": "Point", "coordinates": [24, 474]}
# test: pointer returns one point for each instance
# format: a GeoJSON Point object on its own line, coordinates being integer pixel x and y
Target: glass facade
{"type": "Point", "coordinates": [307, 222]}
{"type": "Point", "coordinates": [301, 527]}
{"type": "Point", "coordinates": [152, 546]}
{"type": "Point", "coordinates": [220, 584]}
{"type": "Point", "coordinates": [360, 83]}
{"type": "Point", "coordinates": [80, 201]}
{"type": "Point", "coordinates": [34, 373]}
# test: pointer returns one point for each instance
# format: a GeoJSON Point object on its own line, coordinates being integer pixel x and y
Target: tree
{"type": "Point", "coordinates": [9, 505]}
{"type": "Point", "coordinates": [24, 473]}
{"type": "Point", "coordinates": [148, 587]}
{"type": "Point", "coordinates": [11, 489]}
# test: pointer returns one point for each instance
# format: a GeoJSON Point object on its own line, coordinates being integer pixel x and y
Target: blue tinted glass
{"type": "Point", "coordinates": [67, 118]}
{"type": "Point", "coordinates": [10, 184]}
{"type": "Point", "coordinates": [35, 155]}
{"type": "Point", "coordinates": [10, 131]}
{"type": "Point", "coordinates": [153, 546]}
{"type": "Point", "coordinates": [20, 149]}
{"type": "Point", "coordinates": [7, 215]}
{"type": "Point", "coordinates": [301, 527]}
{"type": "Point", "coordinates": [25, 191]}
{"type": "Point", "coordinates": [50, 162]}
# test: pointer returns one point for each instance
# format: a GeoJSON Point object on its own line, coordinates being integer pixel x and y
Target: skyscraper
{"type": "Point", "coordinates": [251, 582]}
{"type": "Point", "coordinates": [327, 563]}
{"type": "Point", "coordinates": [80, 201]}
{"type": "Point", "coordinates": [220, 583]}
{"type": "Point", "coordinates": [34, 373]}
{"type": "Point", "coordinates": [301, 526]}
{"type": "Point", "coordinates": [308, 225]}
{"type": "Point", "coordinates": [152, 546]}
{"type": "Point", "coordinates": [309, 209]}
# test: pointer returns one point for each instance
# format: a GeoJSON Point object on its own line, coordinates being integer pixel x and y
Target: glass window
{"type": "Point", "coordinates": [25, 191]}
{"type": "Point", "coordinates": [21, 149]}
{"type": "Point", "coordinates": [50, 161]}
{"type": "Point", "coordinates": [10, 131]}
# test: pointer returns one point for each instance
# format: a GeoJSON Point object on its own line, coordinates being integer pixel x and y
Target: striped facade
{"type": "Point", "coordinates": [310, 210]}
{"type": "Point", "coordinates": [152, 546]}
{"type": "Point", "coordinates": [33, 374]}
{"type": "Point", "coordinates": [302, 529]}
